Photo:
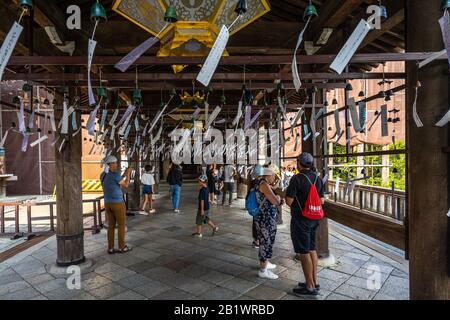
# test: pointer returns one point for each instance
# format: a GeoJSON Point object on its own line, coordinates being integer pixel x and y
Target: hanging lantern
{"type": "Point", "coordinates": [348, 87]}
{"type": "Point", "coordinates": [310, 12]}
{"type": "Point", "coordinates": [241, 7]}
{"type": "Point", "coordinates": [98, 12]}
{"type": "Point", "coordinates": [26, 4]}
{"type": "Point", "coordinates": [171, 15]}
{"type": "Point", "coordinates": [445, 4]}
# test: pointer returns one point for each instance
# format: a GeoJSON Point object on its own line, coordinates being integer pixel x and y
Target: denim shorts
{"type": "Point", "coordinates": [147, 189]}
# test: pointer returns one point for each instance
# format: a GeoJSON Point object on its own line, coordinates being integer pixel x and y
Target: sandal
{"type": "Point", "coordinates": [112, 251]}
{"type": "Point", "coordinates": [125, 249]}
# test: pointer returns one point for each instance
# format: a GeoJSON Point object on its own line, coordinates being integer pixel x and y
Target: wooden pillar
{"type": "Point", "coordinates": [428, 166]}
{"type": "Point", "coordinates": [69, 229]}
{"type": "Point", "coordinates": [313, 146]}
{"type": "Point", "coordinates": [134, 196]}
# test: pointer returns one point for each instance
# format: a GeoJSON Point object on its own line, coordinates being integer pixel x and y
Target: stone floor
{"type": "Point", "coordinates": [167, 263]}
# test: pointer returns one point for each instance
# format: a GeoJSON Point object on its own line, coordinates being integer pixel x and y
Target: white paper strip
{"type": "Point", "coordinates": [213, 117]}
{"type": "Point", "coordinates": [337, 122]}
{"type": "Point", "coordinates": [21, 117]}
{"type": "Point", "coordinates": [91, 48]}
{"type": "Point", "coordinates": [208, 69]}
{"type": "Point", "coordinates": [294, 67]}
{"type": "Point", "coordinates": [336, 186]}
{"type": "Point", "coordinates": [206, 111]}
{"type": "Point", "coordinates": [114, 117]}
{"type": "Point", "coordinates": [433, 57]}
{"type": "Point", "coordinates": [416, 117]}
{"type": "Point", "coordinates": [239, 115]}
{"type": "Point", "coordinates": [4, 137]}
{"type": "Point", "coordinates": [90, 126]}
{"type": "Point", "coordinates": [297, 117]}
{"type": "Point", "coordinates": [25, 142]}
{"type": "Point", "coordinates": [127, 114]}
{"type": "Point", "coordinates": [8, 46]}
{"type": "Point", "coordinates": [103, 119]}
{"type": "Point", "coordinates": [52, 121]}
{"type": "Point", "coordinates": [31, 120]}
{"type": "Point", "coordinates": [65, 119]}
{"type": "Point", "coordinates": [350, 47]}
{"type": "Point", "coordinates": [445, 119]}
{"type": "Point", "coordinates": [77, 132]}
{"type": "Point", "coordinates": [38, 141]}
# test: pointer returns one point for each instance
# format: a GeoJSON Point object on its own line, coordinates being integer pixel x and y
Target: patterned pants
{"type": "Point", "coordinates": [266, 230]}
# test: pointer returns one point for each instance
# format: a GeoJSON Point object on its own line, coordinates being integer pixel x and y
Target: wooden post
{"type": "Point", "coordinates": [69, 227]}
{"type": "Point", "coordinates": [134, 196]}
{"type": "Point", "coordinates": [428, 170]}
{"type": "Point", "coordinates": [313, 146]}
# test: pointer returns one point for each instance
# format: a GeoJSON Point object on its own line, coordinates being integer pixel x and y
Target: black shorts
{"type": "Point", "coordinates": [303, 234]}
{"type": "Point", "coordinates": [199, 219]}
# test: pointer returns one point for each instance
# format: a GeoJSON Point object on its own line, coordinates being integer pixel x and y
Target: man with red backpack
{"type": "Point", "coordinates": [305, 196]}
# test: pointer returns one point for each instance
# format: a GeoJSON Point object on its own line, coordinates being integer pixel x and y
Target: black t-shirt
{"type": "Point", "coordinates": [203, 194]}
{"type": "Point", "coordinates": [298, 190]}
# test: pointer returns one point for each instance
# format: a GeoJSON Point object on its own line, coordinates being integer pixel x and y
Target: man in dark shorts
{"type": "Point", "coordinates": [303, 230]}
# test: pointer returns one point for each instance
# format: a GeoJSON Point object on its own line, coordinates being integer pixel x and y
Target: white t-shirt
{"type": "Point", "coordinates": [228, 173]}
{"type": "Point", "coordinates": [148, 179]}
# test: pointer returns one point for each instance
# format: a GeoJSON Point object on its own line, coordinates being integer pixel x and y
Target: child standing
{"type": "Point", "coordinates": [203, 208]}
{"type": "Point", "coordinates": [148, 181]}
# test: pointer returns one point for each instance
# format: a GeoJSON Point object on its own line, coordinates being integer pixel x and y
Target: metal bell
{"type": "Point", "coordinates": [335, 102]}
{"type": "Point", "coordinates": [26, 87]}
{"type": "Point", "coordinates": [326, 104]}
{"type": "Point", "coordinates": [137, 95]}
{"type": "Point", "coordinates": [348, 87]}
{"type": "Point", "coordinates": [361, 94]}
{"type": "Point", "coordinates": [170, 15]}
{"type": "Point", "coordinates": [16, 100]}
{"type": "Point", "coordinates": [26, 4]}
{"type": "Point", "coordinates": [98, 12]}
{"type": "Point", "coordinates": [382, 94]}
{"type": "Point", "coordinates": [162, 104]}
{"type": "Point", "coordinates": [46, 102]}
{"type": "Point", "coordinates": [310, 12]}
{"type": "Point", "coordinates": [101, 92]}
{"type": "Point", "coordinates": [241, 7]}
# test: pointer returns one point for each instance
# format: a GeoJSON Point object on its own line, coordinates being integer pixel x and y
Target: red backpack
{"type": "Point", "coordinates": [313, 206]}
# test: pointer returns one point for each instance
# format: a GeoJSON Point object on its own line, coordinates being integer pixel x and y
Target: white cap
{"type": "Point", "coordinates": [109, 159]}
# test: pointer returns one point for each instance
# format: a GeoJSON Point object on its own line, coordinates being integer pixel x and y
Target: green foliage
{"type": "Point", "coordinates": [397, 170]}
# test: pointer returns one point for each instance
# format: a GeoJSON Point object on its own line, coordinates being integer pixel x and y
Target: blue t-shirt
{"type": "Point", "coordinates": [203, 195]}
{"type": "Point", "coordinates": [111, 189]}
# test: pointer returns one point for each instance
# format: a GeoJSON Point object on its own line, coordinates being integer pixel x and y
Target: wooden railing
{"type": "Point", "coordinates": [377, 200]}
{"type": "Point", "coordinates": [26, 230]}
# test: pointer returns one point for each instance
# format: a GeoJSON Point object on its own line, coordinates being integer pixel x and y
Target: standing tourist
{"type": "Point", "coordinates": [305, 195]}
{"type": "Point", "coordinates": [175, 180]}
{"type": "Point", "coordinates": [203, 209]}
{"type": "Point", "coordinates": [229, 171]}
{"type": "Point", "coordinates": [266, 222]}
{"type": "Point", "coordinates": [148, 182]}
{"type": "Point", "coordinates": [113, 183]}
{"type": "Point", "coordinates": [211, 175]}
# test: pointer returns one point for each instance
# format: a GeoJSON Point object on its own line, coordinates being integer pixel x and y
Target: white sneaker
{"type": "Point", "coordinates": [271, 266]}
{"type": "Point", "coordinates": [267, 274]}
{"type": "Point", "coordinates": [177, 211]}
{"type": "Point", "coordinates": [152, 211]}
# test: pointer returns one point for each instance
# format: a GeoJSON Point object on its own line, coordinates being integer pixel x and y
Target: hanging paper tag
{"type": "Point", "coordinates": [416, 117]}
{"type": "Point", "coordinates": [337, 122]}
{"type": "Point", "coordinates": [433, 57]}
{"type": "Point", "coordinates": [74, 121]}
{"type": "Point", "coordinates": [31, 120]}
{"type": "Point", "coordinates": [248, 115]}
{"type": "Point", "coordinates": [114, 117]}
{"type": "Point", "coordinates": [103, 119]}
{"type": "Point", "coordinates": [206, 111]}
{"type": "Point", "coordinates": [113, 132]}
{"type": "Point", "coordinates": [25, 142]}
{"type": "Point", "coordinates": [384, 121]}
{"type": "Point", "coordinates": [127, 113]}
{"type": "Point", "coordinates": [350, 47]}
{"type": "Point", "coordinates": [354, 114]}
{"type": "Point", "coordinates": [8, 46]}
{"type": "Point", "coordinates": [444, 120]}
{"type": "Point", "coordinates": [252, 121]}
{"type": "Point", "coordinates": [130, 58]}
{"type": "Point", "coordinates": [91, 48]}
{"type": "Point", "coordinates": [38, 141]}
{"type": "Point", "coordinates": [136, 124]}
{"type": "Point", "coordinates": [325, 179]}
{"type": "Point", "coordinates": [90, 126]}
{"type": "Point", "coordinates": [213, 117]}
{"type": "Point", "coordinates": [444, 22]}
{"type": "Point", "coordinates": [65, 119]}
{"type": "Point", "coordinates": [297, 117]}
{"type": "Point", "coordinates": [196, 113]}
{"type": "Point", "coordinates": [294, 67]}
{"type": "Point", "coordinates": [362, 115]}
{"type": "Point", "coordinates": [21, 117]}
{"type": "Point", "coordinates": [4, 137]}
{"type": "Point", "coordinates": [214, 56]}
{"type": "Point", "coordinates": [124, 126]}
